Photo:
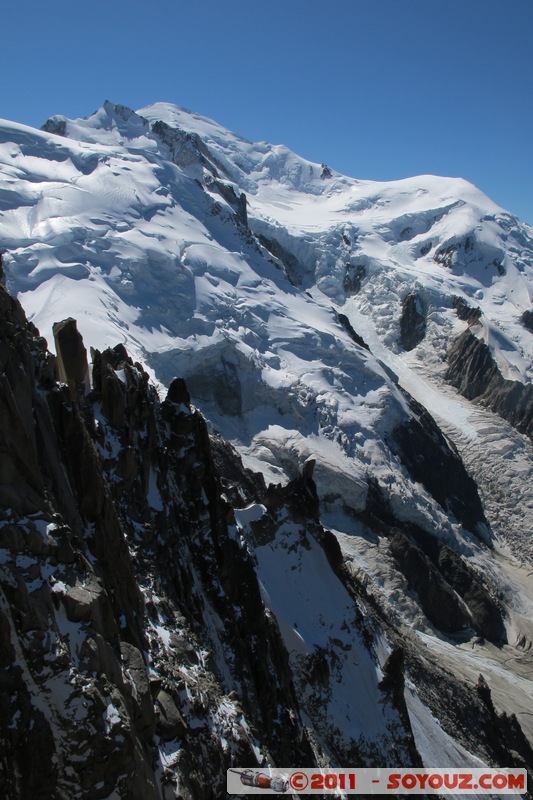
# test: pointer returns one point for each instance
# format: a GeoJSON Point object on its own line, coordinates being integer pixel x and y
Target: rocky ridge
{"type": "Point", "coordinates": [474, 372]}
{"type": "Point", "coordinates": [110, 655]}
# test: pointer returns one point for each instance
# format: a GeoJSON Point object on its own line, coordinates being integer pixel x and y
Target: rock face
{"type": "Point", "coordinates": [473, 371]}
{"type": "Point", "coordinates": [185, 149]}
{"type": "Point", "coordinates": [466, 312]}
{"type": "Point", "coordinates": [236, 201]}
{"type": "Point", "coordinates": [72, 365]}
{"type": "Point", "coordinates": [412, 321]}
{"type": "Point", "coordinates": [66, 606]}
{"type": "Point", "coordinates": [348, 327]}
{"type": "Point", "coordinates": [293, 269]}
{"type": "Point", "coordinates": [437, 599]}
{"type": "Point", "coordinates": [527, 320]}
{"type": "Point", "coordinates": [450, 593]}
{"type": "Point", "coordinates": [55, 125]}
{"type": "Point", "coordinates": [353, 277]}
{"type": "Point", "coordinates": [434, 461]}
{"type": "Point", "coordinates": [97, 500]}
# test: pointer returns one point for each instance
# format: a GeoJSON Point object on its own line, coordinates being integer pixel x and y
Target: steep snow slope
{"type": "Point", "coordinates": [400, 231]}
{"type": "Point", "coordinates": [137, 225]}
{"type": "Point", "coordinates": [140, 251]}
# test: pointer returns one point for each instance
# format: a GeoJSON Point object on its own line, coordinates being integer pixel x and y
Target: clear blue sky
{"type": "Point", "coordinates": [378, 89]}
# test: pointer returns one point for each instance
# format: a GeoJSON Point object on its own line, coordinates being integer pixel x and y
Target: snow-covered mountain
{"type": "Point", "coordinates": [370, 340]}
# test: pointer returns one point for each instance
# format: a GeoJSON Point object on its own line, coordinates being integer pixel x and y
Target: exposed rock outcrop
{"type": "Point", "coordinates": [505, 732]}
{"type": "Point", "coordinates": [434, 461]}
{"type": "Point", "coordinates": [353, 277]}
{"type": "Point", "coordinates": [450, 593]}
{"type": "Point", "coordinates": [438, 601]}
{"type": "Point", "coordinates": [485, 612]}
{"type": "Point", "coordinates": [56, 125]}
{"type": "Point", "coordinates": [67, 592]}
{"type": "Point", "coordinates": [473, 371]}
{"type": "Point", "coordinates": [348, 327]}
{"type": "Point", "coordinates": [466, 312]}
{"type": "Point", "coordinates": [432, 570]}
{"type": "Point", "coordinates": [527, 320]}
{"type": "Point", "coordinates": [412, 321]}
{"type": "Point", "coordinates": [236, 201]}
{"type": "Point", "coordinates": [186, 150]}
{"type": "Point", "coordinates": [293, 268]}
{"type": "Point", "coordinates": [72, 367]}
{"type": "Point", "coordinates": [460, 254]}
{"type": "Point", "coordinates": [98, 499]}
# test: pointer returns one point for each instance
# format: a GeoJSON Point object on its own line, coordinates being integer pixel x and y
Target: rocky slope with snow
{"type": "Point", "coordinates": [353, 520]}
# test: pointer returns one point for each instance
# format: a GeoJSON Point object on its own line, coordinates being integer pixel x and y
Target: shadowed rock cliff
{"type": "Point", "coordinates": [130, 615]}
{"type": "Point", "coordinates": [473, 371]}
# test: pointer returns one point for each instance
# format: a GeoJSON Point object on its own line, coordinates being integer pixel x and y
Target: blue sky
{"type": "Point", "coordinates": [378, 89]}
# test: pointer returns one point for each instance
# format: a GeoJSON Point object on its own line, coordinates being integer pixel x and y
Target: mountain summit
{"type": "Point", "coordinates": [354, 518]}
